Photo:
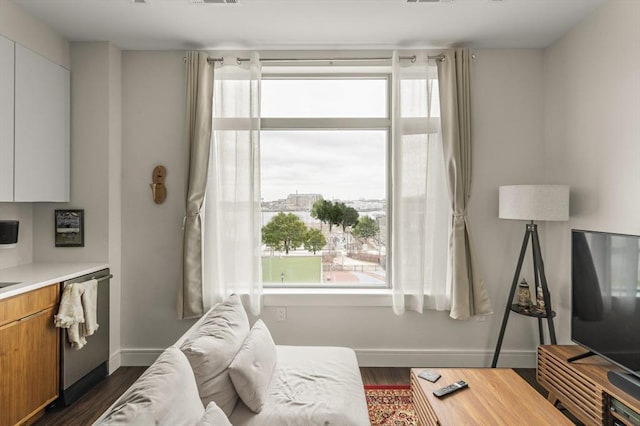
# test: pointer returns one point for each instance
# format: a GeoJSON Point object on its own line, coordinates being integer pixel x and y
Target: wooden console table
{"type": "Point", "coordinates": [582, 386]}
{"type": "Point", "coordinates": [496, 396]}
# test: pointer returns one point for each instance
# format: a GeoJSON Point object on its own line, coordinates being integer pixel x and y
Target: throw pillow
{"type": "Point", "coordinates": [212, 347]}
{"type": "Point", "coordinates": [166, 393]}
{"type": "Point", "coordinates": [214, 416]}
{"type": "Point", "coordinates": [253, 366]}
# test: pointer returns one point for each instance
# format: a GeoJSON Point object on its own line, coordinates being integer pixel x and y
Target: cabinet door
{"type": "Point", "coordinates": [6, 119]}
{"type": "Point", "coordinates": [42, 156]}
{"type": "Point", "coordinates": [28, 366]}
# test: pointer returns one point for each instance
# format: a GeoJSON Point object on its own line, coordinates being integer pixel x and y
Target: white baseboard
{"type": "Point", "coordinates": [444, 358]}
{"type": "Point", "coordinates": [384, 358]}
{"type": "Point", "coordinates": [139, 357]}
{"type": "Point", "coordinates": [115, 362]}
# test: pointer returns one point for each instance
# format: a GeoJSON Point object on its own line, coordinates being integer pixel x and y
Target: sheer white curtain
{"type": "Point", "coordinates": [420, 206]}
{"type": "Point", "coordinates": [232, 207]}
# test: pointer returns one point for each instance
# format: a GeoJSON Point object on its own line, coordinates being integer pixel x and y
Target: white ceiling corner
{"type": "Point", "coordinates": [312, 24]}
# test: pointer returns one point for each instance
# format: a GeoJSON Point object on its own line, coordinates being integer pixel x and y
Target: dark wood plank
{"type": "Point", "coordinates": [385, 375]}
{"type": "Point", "coordinates": [91, 405]}
{"type": "Point", "coordinates": [88, 408]}
{"type": "Point", "coordinates": [529, 376]}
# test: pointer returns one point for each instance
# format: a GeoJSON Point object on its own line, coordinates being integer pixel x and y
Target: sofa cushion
{"type": "Point", "coordinates": [253, 366]}
{"type": "Point", "coordinates": [168, 383]}
{"type": "Point", "coordinates": [212, 347]}
{"type": "Point", "coordinates": [310, 386]}
{"type": "Point", "coordinates": [213, 416]}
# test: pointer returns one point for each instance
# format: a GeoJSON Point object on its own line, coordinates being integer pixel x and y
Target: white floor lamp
{"type": "Point", "coordinates": [532, 203]}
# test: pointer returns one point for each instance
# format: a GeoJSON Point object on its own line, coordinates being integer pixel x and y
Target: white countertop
{"type": "Point", "coordinates": [33, 276]}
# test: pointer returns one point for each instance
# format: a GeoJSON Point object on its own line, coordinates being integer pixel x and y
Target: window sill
{"type": "Point", "coordinates": [326, 297]}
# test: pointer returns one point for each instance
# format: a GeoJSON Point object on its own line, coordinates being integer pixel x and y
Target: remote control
{"type": "Point", "coordinates": [450, 389]}
{"type": "Point", "coordinates": [429, 375]}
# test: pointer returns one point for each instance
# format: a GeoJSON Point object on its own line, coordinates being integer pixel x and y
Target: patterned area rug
{"type": "Point", "coordinates": [390, 405]}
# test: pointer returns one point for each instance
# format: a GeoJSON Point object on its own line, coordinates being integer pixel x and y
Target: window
{"type": "Point", "coordinates": [328, 177]}
{"type": "Point", "coordinates": [324, 156]}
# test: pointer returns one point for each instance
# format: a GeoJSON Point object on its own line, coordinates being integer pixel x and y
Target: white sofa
{"type": "Point", "coordinates": [223, 372]}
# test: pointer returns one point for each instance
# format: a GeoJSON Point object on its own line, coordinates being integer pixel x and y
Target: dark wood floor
{"type": "Point", "coordinates": [95, 402]}
{"type": "Point", "coordinates": [88, 408]}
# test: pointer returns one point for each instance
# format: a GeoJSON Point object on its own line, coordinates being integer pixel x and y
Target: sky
{"type": "Point", "coordinates": [345, 165]}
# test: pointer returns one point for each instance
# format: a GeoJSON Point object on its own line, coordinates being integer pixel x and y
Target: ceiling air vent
{"type": "Point", "coordinates": [214, 1]}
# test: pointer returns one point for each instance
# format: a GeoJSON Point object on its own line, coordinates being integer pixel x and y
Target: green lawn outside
{"type": "Point", "coordinates": [296, 269]}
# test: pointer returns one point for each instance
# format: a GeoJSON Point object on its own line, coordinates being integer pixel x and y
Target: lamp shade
{"type": "Point", "coordinates": [534, 202]}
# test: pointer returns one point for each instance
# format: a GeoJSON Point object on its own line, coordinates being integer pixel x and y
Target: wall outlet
{"type": "Point", "coordinates": [281, 314]}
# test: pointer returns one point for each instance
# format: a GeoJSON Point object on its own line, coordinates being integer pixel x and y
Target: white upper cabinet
{"type": "Point", "coordinates": [42, 135]}
{"type": "Point", "coordinates": [6, 119]}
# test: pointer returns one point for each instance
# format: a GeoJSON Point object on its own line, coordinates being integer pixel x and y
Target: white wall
{"type": "Point", "coordinates": [508, 150]}
{"type": "Point", "coordinates": [115, 201]}
{"type": "Point", "coordinates": [508, 129]}
{"type": "Point", "coordinates": [153, 99]}
{"type": "Point", "coordinates": [20, 27]}
{"type": "Point", "coordinates": [592, 142]}
{"type": "Point", "coordinates": [89, 160]}
{"type": "Point", "coordinates": [567, 114]}
{"type": "Point", "coordinates": [96, 183]}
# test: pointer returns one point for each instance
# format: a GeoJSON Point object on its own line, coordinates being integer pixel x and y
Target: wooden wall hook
{"type": "Point", "coordinates": [158, 190]}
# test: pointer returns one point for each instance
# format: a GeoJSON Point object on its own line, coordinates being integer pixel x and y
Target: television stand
{"type": "Point", "coordinates": [584, 388]}
{"type": "Point", "coordinates": [581, 356]}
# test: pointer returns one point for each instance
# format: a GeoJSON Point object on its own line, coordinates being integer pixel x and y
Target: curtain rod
{"type": "Point", "coordinates": [411, 58]}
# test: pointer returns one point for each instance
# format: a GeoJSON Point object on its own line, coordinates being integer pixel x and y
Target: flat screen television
{"type": "Point", "coordinates": [605, 290]}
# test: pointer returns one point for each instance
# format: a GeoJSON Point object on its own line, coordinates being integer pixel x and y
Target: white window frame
{"type": "Point", "coordinates": [338, 124]}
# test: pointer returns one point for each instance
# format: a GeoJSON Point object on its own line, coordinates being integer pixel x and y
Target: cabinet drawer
{"type": "Point", "coordinates": [22, 305]}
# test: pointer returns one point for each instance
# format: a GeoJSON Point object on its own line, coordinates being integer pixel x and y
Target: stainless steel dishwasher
{"type": "Point", "coordinates": [81, 369]}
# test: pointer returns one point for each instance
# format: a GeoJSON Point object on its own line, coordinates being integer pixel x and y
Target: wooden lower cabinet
{"type": "Point", "coordinates": [29, 363]}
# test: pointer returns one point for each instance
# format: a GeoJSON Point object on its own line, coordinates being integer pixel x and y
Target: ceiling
{"type": "Point", "coordinates": [312, 24]}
